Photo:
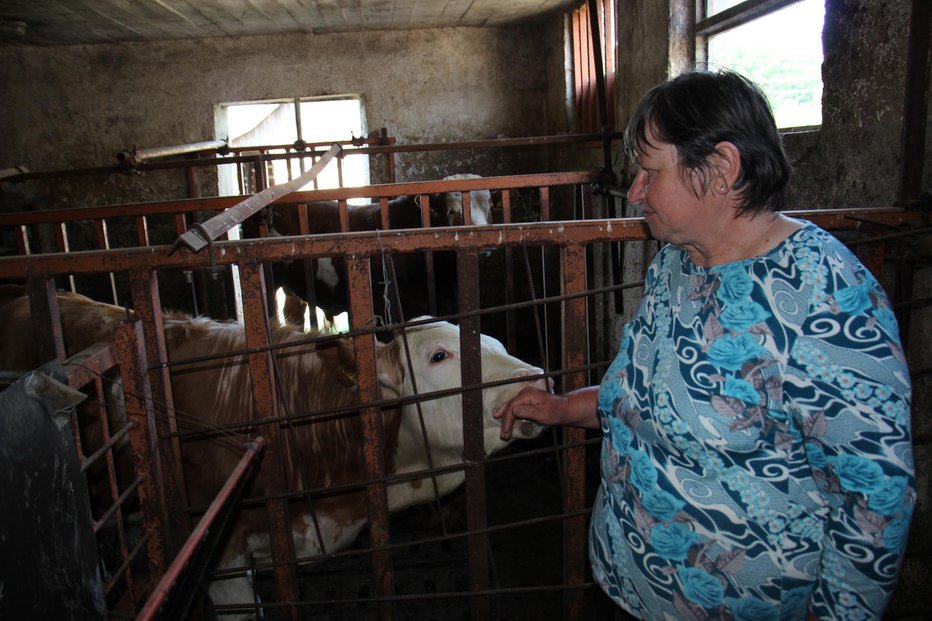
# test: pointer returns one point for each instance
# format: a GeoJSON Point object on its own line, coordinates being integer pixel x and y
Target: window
{"type": "Point", "coordinates": [282, 122]}
{"type": "Point", "coordinates": [778, 44]}
{"type": "Point", "coordinates": [585, 71]}
{"type": "Point", "coordinates": [279, 124]}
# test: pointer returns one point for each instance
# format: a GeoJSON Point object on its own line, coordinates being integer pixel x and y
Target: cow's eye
{"type": "Point", "coordinates": [438, 356]}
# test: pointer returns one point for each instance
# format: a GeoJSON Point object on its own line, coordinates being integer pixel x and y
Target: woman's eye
{"type": "Point", "coordinates": [438, 356]}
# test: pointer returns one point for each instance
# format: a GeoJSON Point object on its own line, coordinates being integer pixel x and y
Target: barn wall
{"type": "Point", "coordinates": [864, 75]}
{"type": "Point", "coordinates": [864, 87]}
{"type": "Point", "coordinates": [77, 106]}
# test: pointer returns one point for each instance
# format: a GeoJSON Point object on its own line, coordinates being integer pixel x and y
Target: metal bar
{"type": "Point", "coordinates": [597, 52]}
{"type": "Point", "coordinates": [142, 230]}
{"type": "Point", "coordinates": [916, 104]}
{"type": "Point", "coordinates": [218, 225]}
{"type": "Point", "coordinates": [130, 352]}
{"type": "Point", "coordinates": [302, 148]}
{"type": "Point", "coordinates": [274, 471]}
{"type": "Point", "coordinates": [226, 495]}
{"type": "Point", "coordinates": [147, 307]}
{"type": "Point", "coordinates": [108, 444]}
{"type": "Point", "coordinates": [573, 271]}
{"type": "Point", "coordinates": [118, 501]}
{"type": "Point", "coordinates": [467, 268]}
{"type": "Point", "coordinates": [429, 268]}
{"type": "Point", "coordinates": [103, 243]}
{"type": "Point", "coordinates": [22, 240]}
{"type": "Point", "coordinates": [46, 321]}
{"type": "Point", "coordinates": [218, 204]}
{"type": "Point", "coordinates": [134, 156]}
{"type": "Point", "coordinates": [360, 303]}
{"type": "Point", "coordinates": [372, 242]}
{"type": "Point", "coordinates": [390, 149]}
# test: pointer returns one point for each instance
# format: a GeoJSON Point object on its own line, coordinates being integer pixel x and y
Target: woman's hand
{"type": "Point", "coordinates": [530, 404]}
{"type": "Point", "coordinates": [577, 408]}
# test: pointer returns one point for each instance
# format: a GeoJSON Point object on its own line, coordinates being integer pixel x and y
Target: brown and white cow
{"type": "Point", "coordinates": [330, 453]}
{"type": "Point", "coordinates": [214, 392]}
{"type": "Point", "coordinates": [84, 323]}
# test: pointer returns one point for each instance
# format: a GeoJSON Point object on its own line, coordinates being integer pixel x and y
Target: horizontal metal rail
{"type": "Point", "coordinates": [20, 174]}
{"type": "Point", "coordinates": [134, 156]}
{"type": "Point", "coordinates": [465, 238]}
{"type": "Point", "coordinates": [219, 203]}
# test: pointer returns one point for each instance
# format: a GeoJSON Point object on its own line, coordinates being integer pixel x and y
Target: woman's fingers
{"type": "Point", "coordinates": [521, 406]}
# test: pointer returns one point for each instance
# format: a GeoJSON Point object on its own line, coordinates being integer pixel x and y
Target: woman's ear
{"type": "Point", "coordinates": [726, 161]}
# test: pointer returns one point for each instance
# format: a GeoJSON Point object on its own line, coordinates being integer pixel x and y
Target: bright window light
{"type": "Point", "coordinates": [781, 52]}
{"type": "Point", "coordinates": [268, 123]}
{"type": "Point", "coordinates": [263, 124]}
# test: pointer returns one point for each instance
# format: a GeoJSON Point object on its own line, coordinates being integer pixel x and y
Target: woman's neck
{"type": "Point", "coordinates": [744, 237]}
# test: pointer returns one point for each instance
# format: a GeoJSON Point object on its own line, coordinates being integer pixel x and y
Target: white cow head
{"type": "Point", "coordinates": [436, 360]}
{"type": "Point", "coordinates": [480, 202]}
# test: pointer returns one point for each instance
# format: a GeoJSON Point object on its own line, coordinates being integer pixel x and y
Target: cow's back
{"type": "Point", "coordinates": [84, 322]}
{"type": "Point", "coordinates": [216, 391]}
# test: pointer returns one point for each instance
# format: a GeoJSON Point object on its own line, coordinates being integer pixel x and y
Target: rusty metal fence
{"type": "Point", "coordinates": [490, 585]}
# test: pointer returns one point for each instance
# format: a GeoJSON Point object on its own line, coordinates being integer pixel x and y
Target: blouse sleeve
{"type": "Point", "coordinates": [847, 387]}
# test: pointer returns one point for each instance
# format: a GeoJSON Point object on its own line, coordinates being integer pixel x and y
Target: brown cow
{"type": "Point", "coordinates": [84, 323]}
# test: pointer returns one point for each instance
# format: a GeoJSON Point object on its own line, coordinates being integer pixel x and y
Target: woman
{"type": "Point", "coordinates": [756, 455]}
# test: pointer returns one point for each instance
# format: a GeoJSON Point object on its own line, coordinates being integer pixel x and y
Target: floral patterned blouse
{"type": "Point", "coordinates": [756, 455]}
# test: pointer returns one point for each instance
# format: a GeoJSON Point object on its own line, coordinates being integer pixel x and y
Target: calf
{"type": "Point", "coordinates": [480, 203]}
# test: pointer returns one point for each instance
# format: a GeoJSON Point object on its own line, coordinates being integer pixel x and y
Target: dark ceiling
{"type": "Point", "coordinates": [70, 22]}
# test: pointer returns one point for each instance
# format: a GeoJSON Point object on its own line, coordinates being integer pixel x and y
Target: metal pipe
{"type": "Point", "coordinates": [137, 156]}
{"type": "Point", "coordinates": [374, 242]}
{"type": "Point", "coordinates": [386, 147]}
{"type": "Point", "coordinates": [597, 53]}
{"type": "Point", "coordinates": [10, 173]}
{"type": "Point", "coordinates": [165, 585]}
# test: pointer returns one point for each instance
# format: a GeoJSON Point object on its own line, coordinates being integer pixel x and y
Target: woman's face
{"type": "Point", "coordinates": [672, 209]}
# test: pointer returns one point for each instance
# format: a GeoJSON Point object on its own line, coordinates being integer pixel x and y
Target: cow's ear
{"type": "Point", "coordinates": [388, 363]}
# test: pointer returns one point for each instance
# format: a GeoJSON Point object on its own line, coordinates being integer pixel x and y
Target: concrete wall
{"type": "Point", "coordinates": [77, 106]}
{"type": "Point", "coordinates": [864, 76]}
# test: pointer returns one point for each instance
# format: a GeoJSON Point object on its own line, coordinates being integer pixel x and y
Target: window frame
{"type": "Point", "coordinates": [742, 13]}
{"type": "Point", "coordinates": [738, 15]}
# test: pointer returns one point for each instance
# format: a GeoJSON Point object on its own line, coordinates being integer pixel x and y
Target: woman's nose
{"type": "Point", "coordinates": [636, 191]}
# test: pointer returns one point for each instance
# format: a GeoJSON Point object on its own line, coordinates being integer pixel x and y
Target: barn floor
{"type": "Point", "coordinates": [529, 556]}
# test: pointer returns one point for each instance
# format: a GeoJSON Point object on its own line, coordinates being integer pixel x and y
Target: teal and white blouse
{"type": "Point", "coordinates": [756, 455]}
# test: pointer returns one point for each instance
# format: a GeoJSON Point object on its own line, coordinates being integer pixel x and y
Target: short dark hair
{"type": "Point", "coordinates": [699, 109]}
